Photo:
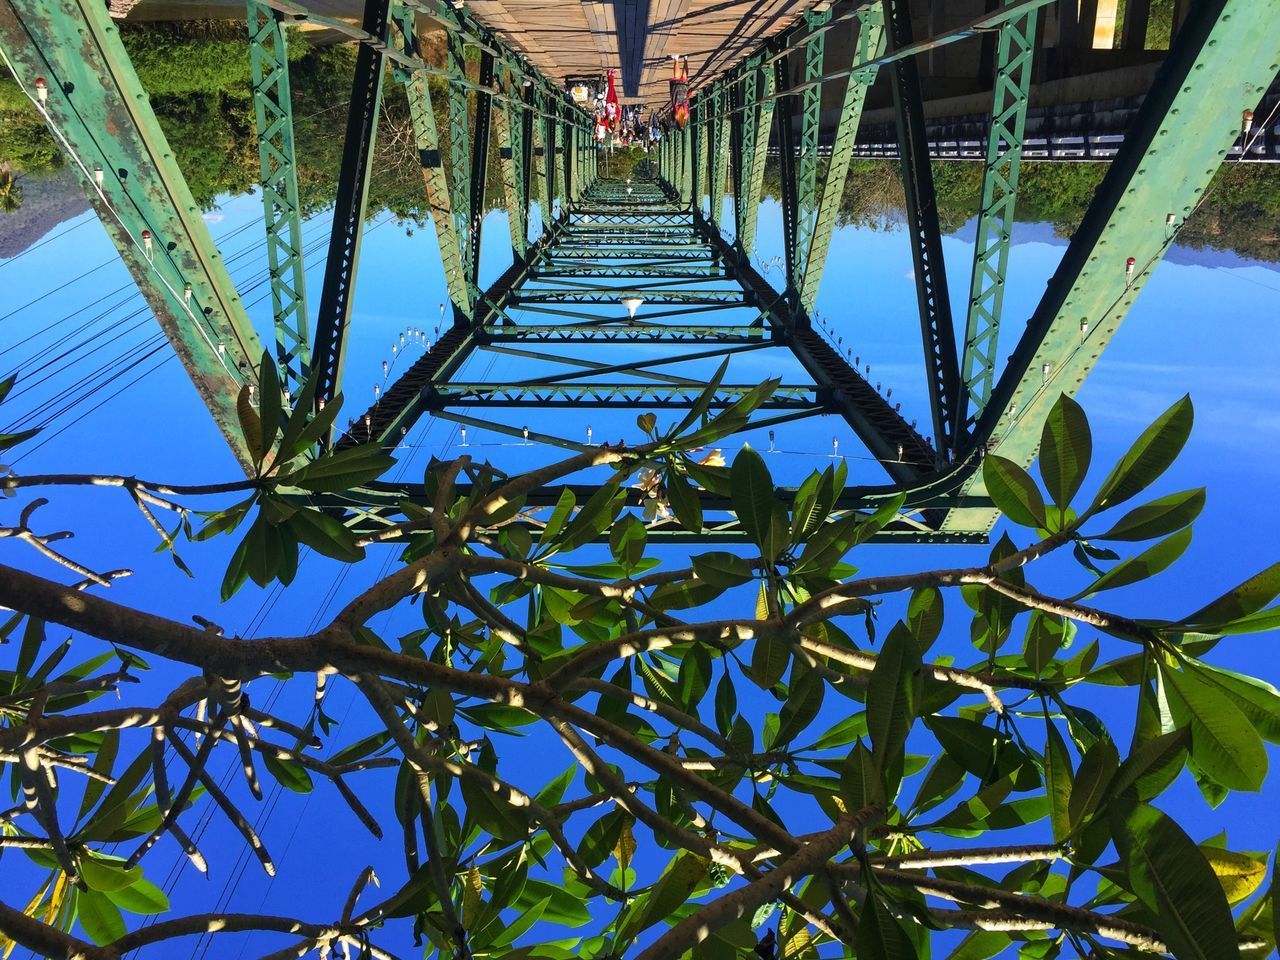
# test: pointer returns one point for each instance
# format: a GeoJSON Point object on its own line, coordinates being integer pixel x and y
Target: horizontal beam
{"type": "Point", "coordinates": [608, 395]}
{"type": "Point", "coordinates": [631, 333]}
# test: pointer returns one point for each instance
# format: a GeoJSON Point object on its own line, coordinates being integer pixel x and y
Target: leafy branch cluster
{"type": "Point", "coordinates": [709, 807]}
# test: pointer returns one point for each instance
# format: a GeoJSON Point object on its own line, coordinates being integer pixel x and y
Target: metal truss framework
{"type": "Point", "coordinates": [635, 264]}
{"type": "Point", "coordinates": [273, 112]}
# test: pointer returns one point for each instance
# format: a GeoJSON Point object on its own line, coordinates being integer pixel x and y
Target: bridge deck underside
{"type": "Point", "coordinates": [639, 37]}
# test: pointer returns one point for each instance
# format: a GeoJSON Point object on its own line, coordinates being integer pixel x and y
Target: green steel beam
{"type": "Point", "coordinates": [718, 139]}
{"type": "Point", "coordinates": [760, 120]}
{"type": "Point", "coordinates": [609, 395]}
{"type": "Point", "coordinates": [869, 45]}
{"type": "Point", "coordinates": [511, 157]}
{"type": "Point", "coordinates": [806, 165]}
{"type": "Point", "coordinates": [278, 177]}
{"type": "Point", "coordinates": [615, 296]}
{"type": "Point", "coordinates": [629, 333]}
{"type": "Point", "coordinates": [439, 195]}
{"type": "Point", "coordinates": [482, 123]}
{"type": "Point", "coordinates": [937, 330]}
{"type": "Point", "coordinates": [102, 120]}
{"type": "Point", "coordinates": [1014, 62]}
{"type": "Point", "coordinates": [1222, 61]}
{"type": "Point", "coordinates": [333, 318]}
{"type": "Point", "coordinates": [459, 172]}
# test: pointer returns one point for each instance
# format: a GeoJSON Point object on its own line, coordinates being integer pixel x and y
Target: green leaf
{"type": "Point", "coordinates": [1013, 491]}
{"type": "Point", "coordinates": [967, 742]}
{"type": "Point", "coordinates": [627, 540]}
{"type": "Point", "coordinates": [925, 616]}
{"type": "Point", "coordinates": [593, 518]}
{"type": "Point", "coordinates": [804, 699]}
{"type": "Point", "coordinates": [99, 917]}
{"type": "Point", "coordinates": [1066, 446]}
{"type": "Point", "coordinates": [341, 470]}
{"type": "Point", "coordinates": [843, 733]}
{"type": "Point", "coordinates": [268, 405]}
{"type": "Point", "coordinates": [555, 523]}
{"type": "Point", "coordinates": [1046, 636]}
{"type": "Point", "coordinates": [860, 781]}
{"type": "Point", "coordinates": [1223, 742]}
{"type": "Point", "coordinates": [756, 504]}
{"type": "Point", "coordinates": [1155, 559]}
{"type": "Point", "coordinates": [291, 774]}
{"type": "Point", "coordinates": [1097, 767]}
{"type": "Point", "coordinates": [703, 403]}
{"type": "Point", "coordinates": [722, 569]}
{"type": "Point", "coordinates": [1058, 780]}
{"type": "Point", "coordinates": [892, 694]}
{"type": "Point", "coordinates": [1171, 877]}
{"type": "Point", "coordinates": [107, 875]}
{"type": "Point", "coordinates": [880, 936]}
{"type": "Point", "coordinates": [325, 535]}
{"type": "Point", "coordinates": [1256, 699]}
{"type": "Point", "coordinates": [1158, 518]}
{"type": "Point", "coordinates": [1149, 457]}
{"type": "Point", "coordinates": [769, 659]}
{"type": "Point", "coordinates": [677, 882]}
{"type": "Point", "coordinates": [804, 509]}
{"type": "Point", "coordinates": [143, 897]}
{"type": "Point", "coordinates": [1240, 601]}
{"type": "Point", "coordinates": [250, 426]}
{"type": "Point", "coordinates": [1152, 765]}
{"type": "Point", "coordinates": [494, 814]}
{"type": "Point", "coordinates": [685, 502]}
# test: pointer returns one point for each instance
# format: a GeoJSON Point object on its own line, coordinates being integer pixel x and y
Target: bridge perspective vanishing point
{"type": "Point", "coordinates": [651, 271]}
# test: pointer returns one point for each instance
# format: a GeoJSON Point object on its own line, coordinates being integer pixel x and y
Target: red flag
{"type": "Point", "coordinates": [611, 110]}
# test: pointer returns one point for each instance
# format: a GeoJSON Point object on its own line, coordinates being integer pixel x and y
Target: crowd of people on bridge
{"type": "Point", "coordinates": [626, 126]}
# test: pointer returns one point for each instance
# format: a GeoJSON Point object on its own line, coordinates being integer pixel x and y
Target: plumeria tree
{"type": "Point", "coordinates": [704, 811]}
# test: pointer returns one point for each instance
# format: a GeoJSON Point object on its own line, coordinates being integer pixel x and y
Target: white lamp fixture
{"type": "Point", "coordinates": [632, 304]}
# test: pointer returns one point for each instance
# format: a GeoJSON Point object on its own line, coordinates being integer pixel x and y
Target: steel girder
{"type": "Point", "coordinates": [758, 122]}
{"type": "Point", "coordinates": [278, 178]}
{"type": "Point", "coordinates": [479, 164]}
{"type": "Point", "coordinates": [786, 162]}
{"type": "Point", "coordinates": [805, 166]}
{"type": "Point", "coordinates": [137, 190]}
{"type": "Point", "coordinates": [1221, 62]}
{"type": "Point", "coordinates": [870, 44]}
{"type": "Point", "coordinates": [435, 179]}
{"type": "Point", "coordinates": [936, 324]}
{"type": "Point", "coordinates": [1015, 54]}
{"type": "Point", "coordinates": [904, 454]}
{"type": "Point", "coordinates": [623, 333]}
{"type": "Point", "coordinates": [609, 395]}
{"type": "Point", "coordinates": [718, 144]}
{"type": "Point", "coordinates": [329, 352]}
{"type": "Point", "coordinates": [511, 159]}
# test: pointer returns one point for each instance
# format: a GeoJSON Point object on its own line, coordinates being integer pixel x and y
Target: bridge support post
{"type": "Point", "coordinates": [1014, 64]}
{"type": "Point", "coordinates": [278, 179]}
{"type": "Point", "coordinates": [869, 45]}
{"type": "Point", "coordinates": [329, 352]}
{"type": "Point", "coordinates": [440, 194]}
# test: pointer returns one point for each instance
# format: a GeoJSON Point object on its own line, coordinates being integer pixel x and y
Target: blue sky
{"type": "Point", "coordinates": [1207, 332]}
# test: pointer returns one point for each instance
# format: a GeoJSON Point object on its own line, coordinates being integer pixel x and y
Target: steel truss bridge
{"type": "Point", "coordinates": [651, 272]}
